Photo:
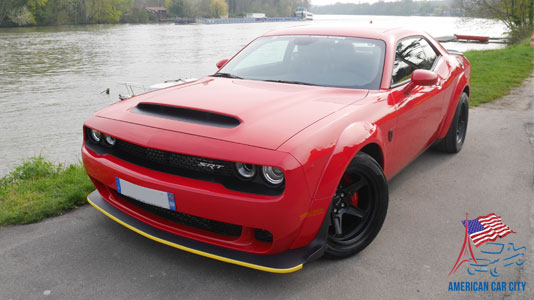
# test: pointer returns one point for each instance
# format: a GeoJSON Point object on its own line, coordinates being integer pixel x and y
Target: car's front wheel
{"type": "Point", "coordinates": [358, 209]}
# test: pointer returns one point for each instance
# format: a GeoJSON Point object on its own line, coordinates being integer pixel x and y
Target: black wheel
{"type": "Point", "coordinates": [358, 209]}
{"type": "Point", "coordinates": [454, 140]}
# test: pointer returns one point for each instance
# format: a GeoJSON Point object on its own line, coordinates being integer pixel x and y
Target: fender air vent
{"type": "Point", "coordinates": [186, 115]}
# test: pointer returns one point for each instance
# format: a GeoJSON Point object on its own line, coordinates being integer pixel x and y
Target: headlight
{"type": "Point", "coordinates": [110, 140]}
{"type": "Point", "coordinates": [246, 171]}
{"type": "Point", "coordinates": [272, 175]}
{"type": "Point", "coordinates": [96, 136]}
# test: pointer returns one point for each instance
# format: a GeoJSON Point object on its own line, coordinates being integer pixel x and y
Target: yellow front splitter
{"type": "Point", "coordinates": [286, 262]}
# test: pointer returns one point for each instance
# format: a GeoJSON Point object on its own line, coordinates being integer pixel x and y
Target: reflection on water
{"type": "Point", "coordinates": [51, 78]}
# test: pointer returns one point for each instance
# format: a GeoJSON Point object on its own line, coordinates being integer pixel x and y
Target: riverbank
{"type": "Point", "coordinates": [38, 188]}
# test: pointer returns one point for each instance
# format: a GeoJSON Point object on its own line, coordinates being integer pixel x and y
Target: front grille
{"type": "Point", "coordinates": [188, 220]}
{"type": "Point", "coordinates": [179, 164]}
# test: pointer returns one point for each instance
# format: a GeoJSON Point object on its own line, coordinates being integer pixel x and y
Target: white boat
{"type": "Point", "coordinates": [133, 89]}
{"type": "Point", "coordinates": [303, 14]}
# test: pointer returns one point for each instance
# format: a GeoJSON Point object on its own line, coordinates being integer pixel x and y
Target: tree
{"type": "Point", "coordinates": [218, 8]}
{"type": "Point", "coordinates": [20, 12]}
{"type": "Point", "coordinates": [4, 7]}
{"type": "Point", "coordinates": [175, 7]}
{"type": "Point", "coordinates": [104, 11]}
{"type": "Point", "coordinates": [518, 15]}
{"type": "Point", "coordinates": [21, 16]}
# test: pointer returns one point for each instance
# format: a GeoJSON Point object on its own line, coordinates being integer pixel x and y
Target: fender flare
{"type": "Point", "coordinates": [353, 138]}
{"type": "Point", "coordinates": [462, 83]}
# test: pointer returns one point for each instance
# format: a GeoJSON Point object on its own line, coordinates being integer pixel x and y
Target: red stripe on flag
{"type": "Point", "coordinates": [492, 218]}
{"type": "Point", "coordinates": [492, 214]}
{"type": "Point", "coordinates": [491, 221]}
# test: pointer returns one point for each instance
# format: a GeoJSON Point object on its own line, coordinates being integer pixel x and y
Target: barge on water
{"type": "Point", "coordinates": [248, 20]}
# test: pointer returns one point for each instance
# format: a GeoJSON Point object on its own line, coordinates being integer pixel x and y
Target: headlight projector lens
{"type": "Point", "coordinates": [96, 136]}
{"type": "Point", "coordinates": [272, 175]}
{"type": "Point", "coordinates": [247, 171]}
{"type": "Point", "coordinates": [110, 140]}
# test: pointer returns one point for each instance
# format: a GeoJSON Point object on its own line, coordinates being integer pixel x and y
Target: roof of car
{"type": "Point", "coordinates": [347, 30]}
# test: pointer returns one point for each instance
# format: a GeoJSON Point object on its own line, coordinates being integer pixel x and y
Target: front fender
{"type": "Point", "coordinates": [462, 82]}
{"type": "Point", "coordinates": [353, 138]}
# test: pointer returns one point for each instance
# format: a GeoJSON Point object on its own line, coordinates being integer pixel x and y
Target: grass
{"type": "Point", "coordinates": [38, 189]}
{"type": "Point", "coordinates": [495, 72]}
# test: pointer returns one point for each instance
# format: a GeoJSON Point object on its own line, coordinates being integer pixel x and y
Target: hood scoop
{"type": "Point", "coordinates": [188, 115]}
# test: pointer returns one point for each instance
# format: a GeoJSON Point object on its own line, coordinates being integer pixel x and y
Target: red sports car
{"type": "Point", "coordinates": [285, 153]}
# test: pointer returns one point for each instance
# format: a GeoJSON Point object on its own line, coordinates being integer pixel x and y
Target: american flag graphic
{"type": "Point", "coordinates": [486, 229]}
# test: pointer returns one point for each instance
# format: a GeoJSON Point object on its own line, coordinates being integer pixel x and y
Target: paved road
{"type": "Point", "coordinates": [85, 255]}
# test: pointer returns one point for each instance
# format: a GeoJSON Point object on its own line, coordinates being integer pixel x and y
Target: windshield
{"type": "Point", "coordinates": [312, 60]}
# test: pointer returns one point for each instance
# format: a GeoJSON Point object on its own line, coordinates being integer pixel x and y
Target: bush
{"type": "Point", "coordinates": [31, 169]}
{"type": "Point", "coordinates": [518, 34]}
{"type": "Point", "coordinates": [38, 189]}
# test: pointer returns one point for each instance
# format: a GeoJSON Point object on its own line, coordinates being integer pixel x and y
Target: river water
{"type": "Point", "coordinates": [51, 78]}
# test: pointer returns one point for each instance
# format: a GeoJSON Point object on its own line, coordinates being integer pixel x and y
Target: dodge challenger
{"type": "Point", "coordinates": [284, 154]}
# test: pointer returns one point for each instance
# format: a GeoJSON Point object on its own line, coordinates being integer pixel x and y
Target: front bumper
{"type": "Point", "coordinates": [290, 217]}
{"type": "Point", "coordinates": [286, 262]}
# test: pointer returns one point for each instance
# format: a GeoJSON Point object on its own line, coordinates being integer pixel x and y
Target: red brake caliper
{"type": "Point", "coordinates": [354, 197]}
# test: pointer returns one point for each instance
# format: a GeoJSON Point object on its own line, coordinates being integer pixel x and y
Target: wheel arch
{"type": "Point", "coordinates": [374, 150]}
{"type": "Point", "coordinates": [358, 137]}
{"type": "Point", "coordinates": [467, 90]}
{"type": "Point", "coordinates": [461, 86]}
{"type": "Point", "coordinates": [355, 138]}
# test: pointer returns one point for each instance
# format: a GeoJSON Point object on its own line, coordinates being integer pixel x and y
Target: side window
{"type": "Point", "coordinates": [430, 54]}
{"type": "Point", "coordinates": [412, 54]}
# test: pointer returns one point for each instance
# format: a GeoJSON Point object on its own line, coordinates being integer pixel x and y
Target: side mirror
{"type": "Point", "coordinates": [424, 77]}
{"type": "Point", "coordinates": [221, 63]}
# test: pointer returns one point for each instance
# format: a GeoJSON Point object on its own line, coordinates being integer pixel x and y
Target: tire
{"type": "Point", "coordinates": [455, 138]}
{"type": "Point", "coordinates": [358, 209]}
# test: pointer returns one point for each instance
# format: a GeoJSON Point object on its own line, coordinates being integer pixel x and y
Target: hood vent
{"type": "Point", "coordinates": [186, 115]}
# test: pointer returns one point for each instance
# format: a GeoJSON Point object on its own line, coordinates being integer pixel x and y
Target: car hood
{"type": "Point", "coordinates": [264, 114]}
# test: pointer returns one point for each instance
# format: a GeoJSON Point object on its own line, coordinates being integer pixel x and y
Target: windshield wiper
{"type": "Point", "coordinates": [226, 75]}
{"type": "Point", "coordinates": [290, 82]}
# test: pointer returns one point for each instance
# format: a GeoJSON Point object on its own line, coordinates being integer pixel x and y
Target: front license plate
{"type": "Point", "coordinates": [146, 195]}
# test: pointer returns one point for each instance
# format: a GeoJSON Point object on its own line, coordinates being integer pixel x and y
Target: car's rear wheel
{"type": "Point", "coordinates": [358, 209]}
{"type": "Point", "coordinates": [455, 138]}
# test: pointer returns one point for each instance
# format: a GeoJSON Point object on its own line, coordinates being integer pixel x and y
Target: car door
{"type": "Point", "coordinates": [418, 108]}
